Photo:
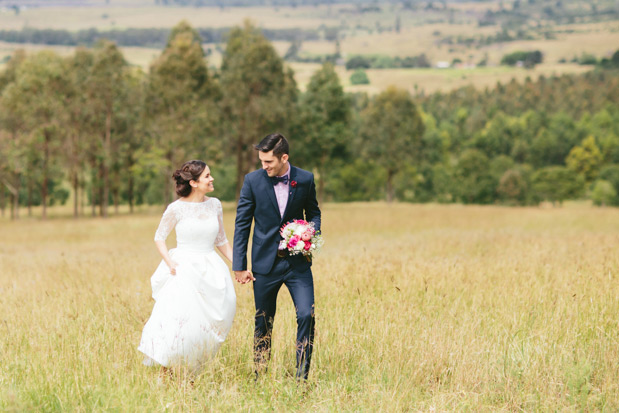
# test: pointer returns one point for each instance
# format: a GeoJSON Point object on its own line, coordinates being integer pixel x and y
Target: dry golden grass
{"type": "Point", "coordinates": [138, 56]}
{"type": "Point", "coordinates": [147, 16]}
{"type": "Point", "coordinates": [601, 40]}
{"type": "Point", "coordinates": [433, 80]}
{"type": "Point", "coordinates": [419, 308]}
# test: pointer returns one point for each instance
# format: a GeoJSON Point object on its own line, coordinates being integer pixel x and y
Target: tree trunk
{"type": "Point", "coordinates": [101, 167]}
{"type": "Point", "coordinates": [130, 194]}
{"type": "Point", "coordinates": [116, 196]}
{"type": "Point", "coordinates": [29, 199]}
{"type": "Point", "coordinates": [82, 193]}
{"type": "Point", "coordinates": [93, 197]}
{"type": "Point", "coordinates": [107, 148]}
{"type": "Point", "coordinates": [45, 171]}
{"type": "Point", "coordinates": [93, 181]}
{"type": "Point", "coordinates": [390, 190]}
{"type": "Point", "coordinates": [75, 171]}
{"type": "Point", "coordinates": [14, 197]}
{"type": "Point", "coordinates": [75, 194]}
{"type": "Point", "coordinates": [15, 206]}
{"type": "Point", "coordinates": [2, 201]}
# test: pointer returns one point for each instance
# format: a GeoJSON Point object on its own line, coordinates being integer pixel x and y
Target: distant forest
{"type": "Point", "coordinates": [90, 125]}
{"type": "Point", "coordinates": [156, 38]}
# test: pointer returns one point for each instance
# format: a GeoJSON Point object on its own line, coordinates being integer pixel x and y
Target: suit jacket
{"type": "Point", "coordinates": [257, 202]}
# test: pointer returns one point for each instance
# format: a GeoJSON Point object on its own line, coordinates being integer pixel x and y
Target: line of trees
{"type": "Point", "coordinates": [387, 62]}
{"type": "Point", "coordinates": [553, 139]}
{"type": "Point", "coordinates": [144, 37]}
{"type": "Point", "coordinates": [527, 59]}
{"type": "Point", "coordinates": [90, 128]}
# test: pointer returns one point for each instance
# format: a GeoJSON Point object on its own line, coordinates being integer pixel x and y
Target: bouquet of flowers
{"type": "Point", "coordinates": [300, 237]}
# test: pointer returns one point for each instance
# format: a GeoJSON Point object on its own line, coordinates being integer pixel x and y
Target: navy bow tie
{"type": "Point", "coordinates": [278, 179]}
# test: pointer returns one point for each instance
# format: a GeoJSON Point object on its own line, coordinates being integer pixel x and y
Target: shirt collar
{"type": "Point", "coordinates": [287, 172]}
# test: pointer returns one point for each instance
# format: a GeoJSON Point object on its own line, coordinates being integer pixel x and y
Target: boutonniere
{"type": "Point", "coordinates": [293, 184]}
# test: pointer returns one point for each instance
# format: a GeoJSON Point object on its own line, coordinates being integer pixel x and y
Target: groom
{"type": "Point", "coordinates": [271, 197]}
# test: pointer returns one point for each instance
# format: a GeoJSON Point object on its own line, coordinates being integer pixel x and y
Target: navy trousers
{"type": "Point", "coordinates": [301, 287]}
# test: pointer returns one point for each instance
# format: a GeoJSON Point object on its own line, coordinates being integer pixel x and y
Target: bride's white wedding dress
{"type": "Point", "coordinates": [193, 309]}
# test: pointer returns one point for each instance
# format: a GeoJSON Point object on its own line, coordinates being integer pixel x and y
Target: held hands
{"type": "Point", "coordinates": [244, 276]}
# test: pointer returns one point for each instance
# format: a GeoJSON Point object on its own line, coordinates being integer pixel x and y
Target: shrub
{"type": "Point", "coordinates": [603, 193]}
{"type": "Point", "coordinates": [359, 78]}
{"type": "Point", "coordinates": [587, 59]}
{"type": "Point", "coordinates": [528, 59]}
{"type": "Point", "coordinates": [358, 62]}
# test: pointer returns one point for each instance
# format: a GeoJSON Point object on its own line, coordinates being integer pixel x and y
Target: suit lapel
{"type": "Point", "coordinates": [291, 189]}
{"type": "Point", "coordinates": [270, 190]}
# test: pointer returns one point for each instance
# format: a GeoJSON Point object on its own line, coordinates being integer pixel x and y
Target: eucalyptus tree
{"type": "Point", "coordinates": [11, 139]}
{"type": "Point", "coordinates": [130, 129]}
{"type": "Point", "coordinates": [392, 129]}
{"type": "Point", "coordinates": [36, 101]}
{"type": "Point", "coordinates": [106, 98]}
{"type": "Point", "coordinates": [585, 159]}
{"type": "Point", "coordinates": [79, 147]}
{"type": "Point", "coordinates": [325, 114]}
{"type": "Point", "coordinates": [259, 94]}
{"type": "Point", "coordinates": [179, 101]}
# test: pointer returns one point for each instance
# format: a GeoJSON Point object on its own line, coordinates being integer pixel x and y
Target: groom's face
{"type": "Point", "coordinates": [272, 164]}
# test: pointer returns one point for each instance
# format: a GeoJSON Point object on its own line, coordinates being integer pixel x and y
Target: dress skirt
{"type": "Point", "coordinates": [193, 310]}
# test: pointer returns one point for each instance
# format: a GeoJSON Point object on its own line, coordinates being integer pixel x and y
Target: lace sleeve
{"type": "Point", "coordinates": [221, 235]}
{"type": "Point", "coordinates": [167, 224]}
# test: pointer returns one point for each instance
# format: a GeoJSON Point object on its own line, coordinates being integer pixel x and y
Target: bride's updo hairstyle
{"type": "Point", "coordinates": [190, 171]}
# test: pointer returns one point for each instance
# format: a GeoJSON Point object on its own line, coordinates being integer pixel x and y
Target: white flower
{"type": "Point", "coordinates": [300, 245]}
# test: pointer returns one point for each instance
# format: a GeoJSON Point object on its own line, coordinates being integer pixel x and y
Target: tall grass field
{"type": "Point", "coordinates": [419, 308]}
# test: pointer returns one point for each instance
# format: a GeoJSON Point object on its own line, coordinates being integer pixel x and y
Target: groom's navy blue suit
{"type": "Point", "coordinates": [257, 202]}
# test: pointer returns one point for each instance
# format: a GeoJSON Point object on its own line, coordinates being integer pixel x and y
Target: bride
{"type": "Point", "coordinates": [194, 295]}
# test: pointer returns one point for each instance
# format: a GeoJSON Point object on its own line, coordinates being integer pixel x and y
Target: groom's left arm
{"type": "Point", "coordinates": [312, 211]}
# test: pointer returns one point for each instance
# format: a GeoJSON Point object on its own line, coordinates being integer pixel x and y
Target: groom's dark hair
{"type": "Point", "coordinates": [275, 142]}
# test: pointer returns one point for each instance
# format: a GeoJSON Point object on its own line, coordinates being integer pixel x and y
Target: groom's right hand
{"type": "Point", "coordinates": [244, 276]}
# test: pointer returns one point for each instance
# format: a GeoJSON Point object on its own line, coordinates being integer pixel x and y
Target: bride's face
{"type": "Point", "coordinates": [205, 183]}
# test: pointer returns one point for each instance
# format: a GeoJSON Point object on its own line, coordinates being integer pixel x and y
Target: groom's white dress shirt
{"type": "Point", "coordinates": [281, 193]}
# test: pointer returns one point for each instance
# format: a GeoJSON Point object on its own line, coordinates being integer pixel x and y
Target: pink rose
{"type": "Point", "coordinates": [293, 241]}
{"type": "Point", "coordinates": [308, 245]}
{"type": "Point", "coordinates": [306, 236]}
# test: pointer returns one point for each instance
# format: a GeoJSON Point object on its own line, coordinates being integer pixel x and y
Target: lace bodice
{"type": "Point", "coordinates": [199, 225]}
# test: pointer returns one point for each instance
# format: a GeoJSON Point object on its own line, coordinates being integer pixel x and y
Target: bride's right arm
{"type": "Point", "coordinates": [163, 251]}
{"type": "Point", "coordinates": [166, 225]}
